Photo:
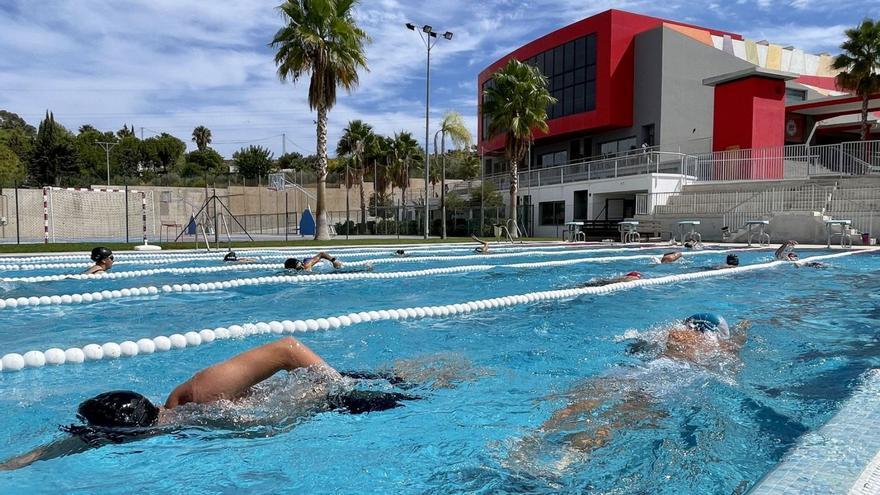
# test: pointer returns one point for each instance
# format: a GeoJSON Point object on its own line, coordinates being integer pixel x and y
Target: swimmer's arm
{"type": "Point", "coordinates": [59, 448]}
{"type": "Point", "coordinates": [232, 378]}
{"type": "Point", "coordinates": [321, 256]}
{"type": "Point", "coordinates": [93, 269]}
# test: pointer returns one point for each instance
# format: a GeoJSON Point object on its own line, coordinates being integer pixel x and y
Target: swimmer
{"type": "Point", "coordinates": [629, 398]}
{"type": "Point", "coordinates": [629, 277]}
{"type": "Point", "coordinates": [231, 257]}
{"type": "Point", "coordinates": [483, 248]}
{"type": "Point", "coordinates": [103, 259]}
{"type": "Point", "coordinates": [692, 244]}
{"type": "Point", "coordinates": [731, 262]}
{"type": "Point", "coordinates": [785, 252]}
{"type": "Point", "coordinates": [307, 263]}
{"type": "Point", "coordinates": [118, 416]}
{"type": "Point", "coordinates": [671, 257]}
{"type": "Point", "coordinates": [400, 253]}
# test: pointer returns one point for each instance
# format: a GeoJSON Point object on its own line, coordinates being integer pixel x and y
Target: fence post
{"type": "Point", "coordinates": [286, 217]}
{"type": "Point", "coordinates": [126, 210]}
{"type": "Point", "coordinates": [17, 224]}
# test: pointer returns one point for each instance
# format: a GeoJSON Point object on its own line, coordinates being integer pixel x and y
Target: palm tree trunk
{"type": "Point", "coordinates": [514, 178]}
{"type": "Point", "coordinates": [865, 127]}
{"type": "Point", "coordinates": [322, 233]}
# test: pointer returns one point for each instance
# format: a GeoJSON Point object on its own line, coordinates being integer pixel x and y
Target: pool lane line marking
{"type": "Point", "coordinates": [112, 350]}
{"type": "Point", "coordinates": [97, 296]}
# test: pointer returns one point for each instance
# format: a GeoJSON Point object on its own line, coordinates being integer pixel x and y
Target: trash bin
{"type": "Point", "coordinates": [497, 230]}
{"type": "Point", "coordinates": [866, 239]}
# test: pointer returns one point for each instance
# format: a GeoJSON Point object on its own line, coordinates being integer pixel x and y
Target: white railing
{"type": "Point", "coordinates": [635, 163]}
{"type": "Point", "coordinates": [798, 161]}
{"type": "Point", "coordinates": [858, 204]}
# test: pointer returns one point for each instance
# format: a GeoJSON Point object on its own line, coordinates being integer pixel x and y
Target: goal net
{"type": "Point", "coordinates": [74, 215]}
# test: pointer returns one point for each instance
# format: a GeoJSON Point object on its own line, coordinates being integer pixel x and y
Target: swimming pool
{"type": "Point", "coordinates": [488, 377]}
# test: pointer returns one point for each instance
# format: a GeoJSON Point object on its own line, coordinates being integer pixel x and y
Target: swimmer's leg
{"type": "Point", "coordinates": [365, 401]}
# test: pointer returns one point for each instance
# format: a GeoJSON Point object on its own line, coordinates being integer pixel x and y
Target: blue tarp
{"type": "Point", "coordinates": [307, 223]}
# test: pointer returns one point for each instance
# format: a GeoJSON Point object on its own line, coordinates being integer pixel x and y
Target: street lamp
{"type": "Point", "coordinates": [427, 32]}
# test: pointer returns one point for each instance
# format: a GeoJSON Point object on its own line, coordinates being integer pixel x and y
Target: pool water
{"type": "Point", "coordinates": [488, 381]}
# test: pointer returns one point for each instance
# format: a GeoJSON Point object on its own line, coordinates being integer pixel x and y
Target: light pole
{"type": "Point", "coordinates": [426, 34]}
{"type": "Point", "coordinates": [107, 147]}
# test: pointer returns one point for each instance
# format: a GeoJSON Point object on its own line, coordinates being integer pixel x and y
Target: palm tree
{"type": "Point", "coordinates": [355, 141]}
{"type": "Point", "coordinates": [320, 38]}
{"type": "Point", "coordinates": [202, 137]}
{"type": "Point", "coordinates": [860, 65]}
{"type": "Point", "coordinates": [453, 126]}
{"type": "Point", "coordinates": [405, 155]}
{"type": "Point", "coordinates": [516, 104]}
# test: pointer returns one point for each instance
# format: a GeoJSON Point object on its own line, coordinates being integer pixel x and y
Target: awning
{"type": "Point", "coordinates": [834, 106]}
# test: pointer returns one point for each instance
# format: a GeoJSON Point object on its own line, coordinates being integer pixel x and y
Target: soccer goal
{"type": "Point", "coordinates": [80, 214]}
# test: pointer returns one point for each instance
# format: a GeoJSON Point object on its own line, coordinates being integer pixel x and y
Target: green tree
{"type": "Point", "coordinates": [12, 171]}
{"type": "Point", "coordinates": [162, 152]}
{"type": "Point", "coordinates": [860, 65]}
{"type": "Point", "coordinates": [87, 128]}
{"type": "Point", "coordinates": [406, 157]}
{"type": "Point", "coordinates": [516, 104]}
{"type": "Point", "coordinates": [125, 132]}
{"type": "Point", "coordinates": [91, 157]}
{"type": "Point", "coordinates": [201, 162]}
{"type": "Point", "coordinates": [453, 126]}
{"type": "Point", "coordinates": [378, 159]}
{"type": "Point", "coordinates": [54, 157]}
{"type": "Point", "coordinates": [486, 195]}
{"type": "Point", "coordinates": [253, 162]}
{"type": "Point", "coordinates": [202, 137]}
{"type": "Point", "coordinates": [127, 158]}
{"type": "Point", "coordinates": [320, 38]}
{"type": "Point", "coordinates": [9, 121]}
{"type": "Point", "coordinates": [356, 139]}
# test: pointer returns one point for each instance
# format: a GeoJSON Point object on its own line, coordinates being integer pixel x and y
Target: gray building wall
{"type": "Point", "coordinates": [688, 105]}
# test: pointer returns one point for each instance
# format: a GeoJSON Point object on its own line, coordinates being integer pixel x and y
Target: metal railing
{"type": "Point", "coordinates": [798, 161]}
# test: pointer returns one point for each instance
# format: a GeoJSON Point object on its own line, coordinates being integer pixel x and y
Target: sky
{"type": "Point", "coordinates": [170, 65]}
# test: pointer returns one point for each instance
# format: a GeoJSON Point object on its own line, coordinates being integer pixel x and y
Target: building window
{"type": "Point", "coordinates": [570, 70]}
{"type": "Point", "coordinates": [552, 212]}
{"type": "Point", "coordinates": [795, 95]}
{"type": "Point", "coordinates": [618, 146]}
{"type": "Point", "coordinates": [553, 159]}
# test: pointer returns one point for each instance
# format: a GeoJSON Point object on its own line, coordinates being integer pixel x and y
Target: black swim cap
{"type": "Point", "coordinates": [400, 251]}
{"type": "Point", "coordinates": [293, 264]}
{"type": "Point", "coordinates": [100, 254]}
{"type": "Point", "coordinates": [733, 260]}
{"type": "Point", "coordinates": [120, 408]}
{"type": "Point", "coordinates": [230, 256]}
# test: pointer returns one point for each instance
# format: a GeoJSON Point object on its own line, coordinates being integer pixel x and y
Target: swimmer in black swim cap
{"type": "Point", "coordinates": [119, 416]}
{"type": "Point", "coordinates": [231, 257]}
{"type": "Point", "coordinates": [483, 248]}
{"type": "Point", "coordinates": [103, 259]}
{"type": "Point", "coordinates": [310, 261]}
{"type": "Point", "coordinates": [400, 253]}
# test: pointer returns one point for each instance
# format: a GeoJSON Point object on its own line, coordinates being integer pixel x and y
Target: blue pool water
{"type": "Point", "coordinates": [488, 380]}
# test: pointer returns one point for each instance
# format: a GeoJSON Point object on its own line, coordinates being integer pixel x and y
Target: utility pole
{"type": "Point", "coordinates": [107, 147]}
{"type": "Point", "coordinates": [142, 133]}
{"type": "Point", "coordinates": [283, 143]}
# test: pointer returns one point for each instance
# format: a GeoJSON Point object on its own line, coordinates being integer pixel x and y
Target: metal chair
{"type": "Point", "coordinates": [763, 238]}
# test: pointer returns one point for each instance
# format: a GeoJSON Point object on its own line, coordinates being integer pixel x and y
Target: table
{"type": "Point", "coordinates": [628, 232]}
{"type": "Point", "coordinates": [693, 235]}
{"type": "Point", "coordinates": [574, 231]}
{"type": "Point", "coordinates": [845, 238]}
{"type": "Point", "coordinates": [763, 238]}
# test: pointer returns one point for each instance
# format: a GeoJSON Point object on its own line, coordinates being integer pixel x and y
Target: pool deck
{"type": "Point", "coordinates": [843, 456]}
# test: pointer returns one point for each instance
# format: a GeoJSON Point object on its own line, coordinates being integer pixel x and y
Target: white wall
{"type": "Point", "coordinates": [599, 190]}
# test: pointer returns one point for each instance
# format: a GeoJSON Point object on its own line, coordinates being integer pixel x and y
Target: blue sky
{"type": "Point", "coordinates": [169, 65]}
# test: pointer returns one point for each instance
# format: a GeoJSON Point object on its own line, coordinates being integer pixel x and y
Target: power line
{"type": "Point", "coordinates": [248, 141]}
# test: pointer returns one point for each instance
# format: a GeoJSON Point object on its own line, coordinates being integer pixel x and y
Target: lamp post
{"type": "Point", "coordinates": [426, 34]}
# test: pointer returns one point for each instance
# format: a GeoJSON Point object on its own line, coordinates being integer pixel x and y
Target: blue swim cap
{"type": "Point", "coordinates": [708, 322]}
